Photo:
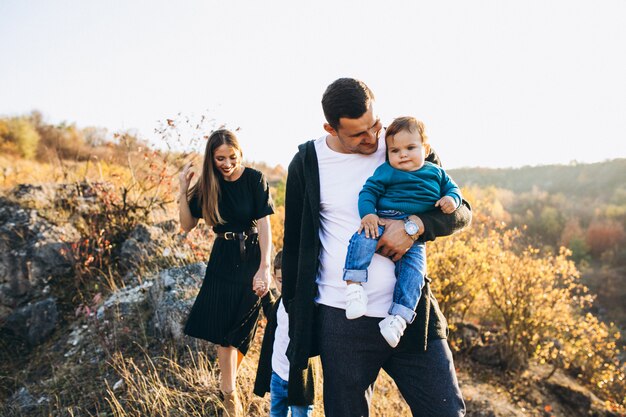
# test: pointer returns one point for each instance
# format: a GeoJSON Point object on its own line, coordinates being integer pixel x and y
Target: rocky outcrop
{"type": "Point", "coordinates": [34, 322]}
{"type": "Point", "coordinates": [171, 298]}
{"type": "Point", "coordinates": [574, 398]}
{"type": "Point", "coordinates": [149, 242]}
{"type": "Point", "coordinates": [158, 306]}
{"type": "Point", "coordinates": [144, 243]}
{"type": "Point", "coordinates": [32, 252]}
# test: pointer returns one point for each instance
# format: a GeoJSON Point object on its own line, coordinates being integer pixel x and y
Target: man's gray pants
{"type": "Point", "coordinates": [353, 353]}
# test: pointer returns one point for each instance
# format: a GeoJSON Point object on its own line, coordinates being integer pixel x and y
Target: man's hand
{"type": "Point", "coordinates": [447, 204]}
{"type": "Point", "coordinates": [394, 242]}
{"type": "Point", "coordinates": [370, 223]}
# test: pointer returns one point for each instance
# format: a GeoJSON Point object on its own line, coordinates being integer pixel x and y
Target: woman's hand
{"type": "Point", "coordinates": [185, 177]}
{"type": "Point", "coordinates": [261, 281]}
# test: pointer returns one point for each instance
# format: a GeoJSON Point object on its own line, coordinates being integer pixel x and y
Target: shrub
{"type": "Point", "coordinates": [488, 275]}
{"type": "Point", "coordinates": [21, 133]}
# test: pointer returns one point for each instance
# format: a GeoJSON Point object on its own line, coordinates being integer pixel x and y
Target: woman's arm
{"type": "Point", "coordinates": [261, 281]}
{"type": "Point", "coordinates": [187, 221]}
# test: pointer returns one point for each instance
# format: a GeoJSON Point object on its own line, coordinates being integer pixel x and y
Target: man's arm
{"type": "Point", "coordinates": [438, 224]}
{"type": "Point", "coordinates": [395, 242]}
{"type": "Point", "coordinates": [294, 200]}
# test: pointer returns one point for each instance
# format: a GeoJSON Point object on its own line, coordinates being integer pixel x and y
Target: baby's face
{"type": "Point", "coordinates": [406, 151]}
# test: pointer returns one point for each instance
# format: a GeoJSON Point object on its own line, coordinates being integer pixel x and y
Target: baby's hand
{"type": "Point", "coordinates": [447, 204]}
{"type": "Point", "coordinates": [370, 223]}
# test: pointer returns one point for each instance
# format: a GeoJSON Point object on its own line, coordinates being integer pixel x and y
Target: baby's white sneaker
{"type": "Point", "coordinates": [392, 329]}
{"type": "Point", "coordinates": [356, 301]}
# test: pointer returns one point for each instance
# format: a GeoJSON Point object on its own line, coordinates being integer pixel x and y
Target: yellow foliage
{"type": "Point", "coordinates": [488, 275]}
{"type": "Point", "coordinates": [277, 220]}
{"type": "Point", "coordinates": [22, 134]}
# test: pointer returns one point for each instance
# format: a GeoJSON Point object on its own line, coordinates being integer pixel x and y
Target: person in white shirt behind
{"type": "Point", "coordinates": [288, 390]}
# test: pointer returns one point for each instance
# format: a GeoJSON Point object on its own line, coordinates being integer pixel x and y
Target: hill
{"type": "Point", "coordinates": [597, 180]}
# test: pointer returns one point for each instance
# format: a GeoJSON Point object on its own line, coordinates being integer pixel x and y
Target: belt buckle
{"type": "Point", "coordinates": [230, 235]}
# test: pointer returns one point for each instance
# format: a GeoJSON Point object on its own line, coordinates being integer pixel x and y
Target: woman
{"type": "Point", "coordinates": [234, 200]}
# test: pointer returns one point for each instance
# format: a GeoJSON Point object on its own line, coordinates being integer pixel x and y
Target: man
{"type": "Point", "coordinates": [321, 214]}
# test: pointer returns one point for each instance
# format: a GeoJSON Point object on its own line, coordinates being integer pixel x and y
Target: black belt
{"type": "Point", "coordinates": [240, 236]}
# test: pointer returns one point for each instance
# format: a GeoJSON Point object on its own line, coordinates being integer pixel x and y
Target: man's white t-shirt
{"type": "Point", "coordinates": [342, 177]}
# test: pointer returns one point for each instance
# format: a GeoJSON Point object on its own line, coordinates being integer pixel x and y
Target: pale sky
{"type": "Point", "coordinates": [498, 83]}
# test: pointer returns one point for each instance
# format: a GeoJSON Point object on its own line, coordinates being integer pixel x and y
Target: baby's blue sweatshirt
{"type": "Point", "coordinates": [410, 192]}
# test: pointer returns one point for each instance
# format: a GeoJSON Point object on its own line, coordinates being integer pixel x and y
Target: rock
{"type": "Point", "coordinates": [32, 251]}
{"type": "Point", "coordinates": [169, 226]}
{"type": "Point", "coordinates": [571, 396]}
{"type": "Point", "coordinates": [467, 336]}
{"type": "Point", "coordinates": [33, 196]}
{"type": "Point", "coordinates": [34, 322]}
{"type": "Point", "coordinates": [575, 398]}
{"type": "Point", "coordinates": [125, 303]}
{"type": "Point", "coordinates": [145, 242]}
{"type": "Point", "coordinates": [487, 355]}
{"type": "Point", "coordinates": [160, 305]}
{"type": "Point", "coordinates": [22, 401]}
{"type": "Point", "coordinates": [171, 297]}
{"type": "Point", "coordinates": [119, 385]}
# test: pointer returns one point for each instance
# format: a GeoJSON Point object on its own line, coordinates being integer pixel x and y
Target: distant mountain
{"type": "Point", "coordinates": [591, 180]}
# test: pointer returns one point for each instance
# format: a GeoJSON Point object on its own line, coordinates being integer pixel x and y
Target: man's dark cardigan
{"type": "Point", "coordinates": [301, 385]}
{"type": "Point", "coordinates": [301, 260]}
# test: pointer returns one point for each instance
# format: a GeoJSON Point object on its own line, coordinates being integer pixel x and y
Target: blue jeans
{"type": "Point", "coordinates": [278, 400]}
{"type": "Point", "coordinates": [410, 269]}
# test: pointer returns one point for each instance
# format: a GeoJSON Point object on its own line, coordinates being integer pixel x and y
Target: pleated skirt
{"type": "Point", "coordinates": [224, 313]}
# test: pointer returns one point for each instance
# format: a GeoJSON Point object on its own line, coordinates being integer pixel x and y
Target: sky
{"type": "Point", "coordinates": [497, 83]}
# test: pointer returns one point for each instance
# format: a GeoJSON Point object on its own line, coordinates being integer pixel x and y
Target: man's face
{"type": "Point", "coordinates": [358, 135]}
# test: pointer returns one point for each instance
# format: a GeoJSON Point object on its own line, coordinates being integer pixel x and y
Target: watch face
{"type": "Point", "coordinates": [411, 228]}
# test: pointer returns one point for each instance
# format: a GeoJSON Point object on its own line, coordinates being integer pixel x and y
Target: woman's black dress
{"type": "Point", "coordinates": [226, 309]}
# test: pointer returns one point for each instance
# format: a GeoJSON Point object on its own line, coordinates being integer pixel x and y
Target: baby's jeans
{"type": "Point", "coordinates": [410, 269]}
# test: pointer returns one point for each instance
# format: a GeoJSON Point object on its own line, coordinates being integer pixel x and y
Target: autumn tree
{"type": "Point", "coordinates": [604, 235]}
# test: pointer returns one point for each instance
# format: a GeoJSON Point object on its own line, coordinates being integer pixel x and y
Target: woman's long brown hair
{"type": "Point", "coordinates": [208, 186]}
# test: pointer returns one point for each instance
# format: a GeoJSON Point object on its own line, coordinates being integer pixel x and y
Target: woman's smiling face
{"type": "Point", "coordinates": [227, 160]}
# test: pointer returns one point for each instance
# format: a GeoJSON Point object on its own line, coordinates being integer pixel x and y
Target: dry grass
{"type": "Point", "coordinates": [188, 385]}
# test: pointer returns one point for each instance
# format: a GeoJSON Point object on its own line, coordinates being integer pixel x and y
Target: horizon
{"type": "Point", "coordinates": [193, 142]}
{"type": "Point", "coordinates": [498, 85]}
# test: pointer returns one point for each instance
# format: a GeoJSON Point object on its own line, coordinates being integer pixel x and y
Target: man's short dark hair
{"type": "Point", "coordinates": [346, 97]}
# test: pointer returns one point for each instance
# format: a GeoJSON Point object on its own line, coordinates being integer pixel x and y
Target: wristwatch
{"type": "Point", "coordinates": [411, 229]}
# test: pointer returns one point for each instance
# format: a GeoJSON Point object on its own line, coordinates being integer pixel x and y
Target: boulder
{"type": "Point", "coordinates": [172, 296]}
{"type": "Point", "coordinates": [487, 355]}
{"type": "Point", "coordinates": [575, 398]}
{"type": "Point", "coordinates": [32, 252]}
{"type": "Point", "coordinates": [34, 322]}
{"type": "Point", "coordinates": [143, 244]}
